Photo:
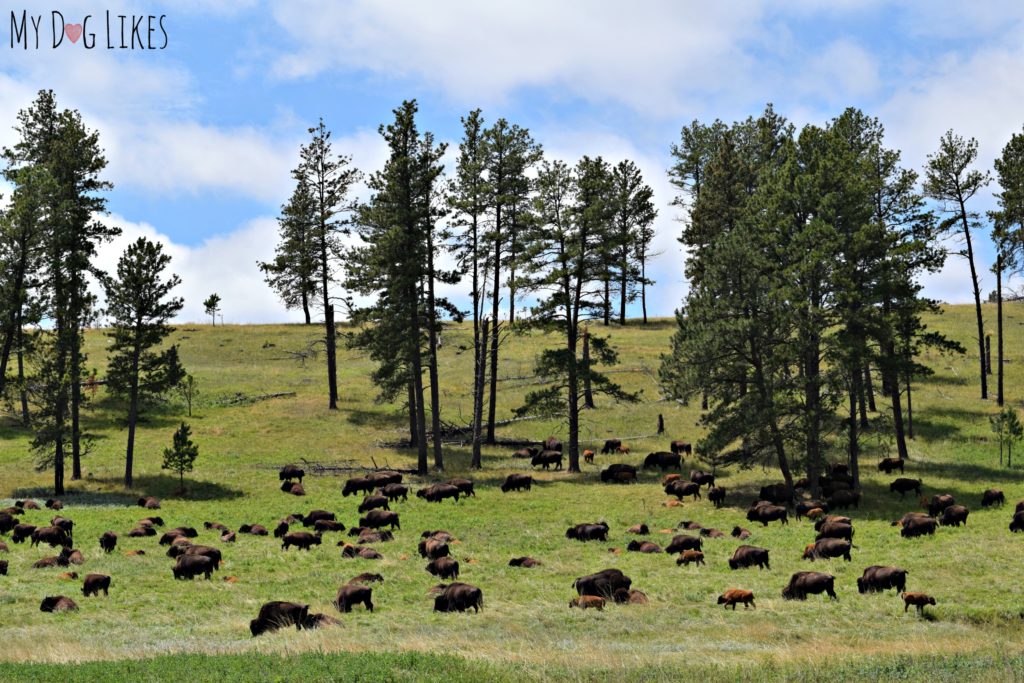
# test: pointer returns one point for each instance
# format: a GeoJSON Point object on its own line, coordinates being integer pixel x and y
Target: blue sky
{"type": "Point", "coordinates": [201, 135]}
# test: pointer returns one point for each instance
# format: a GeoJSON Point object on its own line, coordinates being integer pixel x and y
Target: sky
{"type": "Point", "coordinates": [202, 119]}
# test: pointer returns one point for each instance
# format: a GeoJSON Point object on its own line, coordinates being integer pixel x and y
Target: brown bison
{"type": "Point", "coordinates": [768, 513]}
{"type": "Point", "coordinates": [94, 583]}
{"type": "Point", "coordinates": [526, 452]}
{"type": "Point", "coordinates": [517, 482]}
{"type": "Point", "coordinates": [149, 502]}
{"type": "Point", "coordinates": [281, 529]}
{"type": "Point", "coordinates": [215, 525]}
{"type": "Point", "coordinates": [316, 515]}
{"type": "Point", "coordinates": [876, 578]}
{"type": "Point", "coordinates": [954, 515]}
{"type": "Point", "coordinates": [805, 506]}
{"type": "Point", "coordinates": [844, 499]}
{"type": "Point", "coordinates": [682, 542]}
{"type": "Point", "coordinates": [588, 456]}
{"type": "Point", "coordinates": [51, 535]}
{"type": "Point", "coordinates": [375, 536]}
{"type": "Point", "coordinates": [909, 516]}
{"type": "Point", "coordinates": [57, 603]}
{"type": "Point", "coordinates": [610, 446]}
{"type": "Point", "coordinates": [439, 534]}
{"type": "Point", "coordinates": [373, 503]}
{"type": "Point", "coordinates": [603, 583]}
{"type": "Point", "coordinates": [358, 485]}
{"type": "Point", "coordinates": [384, 477]}
{"type": "Point", "coordinates": [835, 530]}
{"type": "Point", "coordinates": [618, 473]}
{"type": "Point", "coordinates": [889, 465]}
{"type": "Point", "coordinates": [828, 548]}
{"type": "Point", "coordinates": [663, 461]}
{"type": "Point", "coordinates": [992, 497]}
{"type": "Point", "coordinates": [939, 503]}
{"type": "Point", "coordinates": [918, 526]}
{"type": "Point", "coordinates": [587, 602]}
{"type": "Point", "coordinates": [918, 600]}
{"type": "Point", "coordinates": [191, 566]}
{"type": "Point", "coordinates": [643, 547]}
{"type": "Point", "coordinates": [740, 533]}
{"type": "Point", "coordinates": [717, 496]}
{"type": "Point", "coordinates": [291, 472]}
{"type": "Point", "coordinates": [205, 550]}
{"type": "Point", "coordinates": [639, 529]}
{"type": "Point", "coordinates": [465, 486]}
{"type": "Point", "coordinates": [353, 594]}
{"type": "Point", "coordinates": [702, 478]}
{"type": "Point", "coordinates": [435, 493]}
{"type": "Point", "coordinates": [527, 562]}
{"type": "Point", "coordinates": [802, 584]}
{"type": "Point", "coordinates": [26, 504]}
{"type": "Point", "coordinates": [141, 532]}
{"type": "Point", "coordinates": [551, 444]}
{"type": "Point", "coordinates": [690, 557]}
{"type": "Point", "coordinates": [376, 519]}
{"type": "Point", "coordinates": [680, 488]}
{"type": "Point", "coordinates": [367, 577]}
{"type": "Point", "coordinates": [53, 504]}
{"type": "Point", "coordinates": [3, 567]}
{"type": "Point", "coordinates": [431, 548]}
{"type": "Point", "coordinates": [253, 530]}
{"type": "Point", "coordinates": [275, 615]}
{"type": "Point", "coordinates": [108, 541]}
{"type": "Point", "coordinates": [394, 491]}
{"type": "Point", "coordinates": [749, 556]}
{"type": "Point", "coordinates": [294, 488]}
{"type": "Point", "coordinates": [588, 532]}
{"type": "Point", "coordinates": [1017, 523]}
{"type": "Point", "coordinates": [303, 540]}
{"type": "Point", "coordinates": [364, 553]}
{"type": "Point", "coordinates": [323, 526]}
{"type": "Point", "coordinates": [631, 596]}
{"type": "Point", "coordinates": [903, 485]}
{"type": "Point", "coordinates": [681, 447]}
{"type": "Point", "coordinates": [735, 596]}
{"type": "Point", "coordinates": [22, 532]}
{"type": "Point", "coordinates": [459, 597]}
{"type": "Point", "coordinates": [779, 494]}
{"type": "Point", "coordinates": [546, 459]}
{"type": "Point", "coordinates": [151, 521]}
{"type": "Point", "coordinates": [444, 567]}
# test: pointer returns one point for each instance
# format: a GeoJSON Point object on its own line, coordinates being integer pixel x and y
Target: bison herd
{"type": "Point", "coordinates": [377, 524]}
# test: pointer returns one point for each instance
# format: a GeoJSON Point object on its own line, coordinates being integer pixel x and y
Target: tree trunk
{"type": "Point", "coordinates": [910, 411]}
{"type": "Point", "coordinates": [332, 360]}
{"type": "Point", "coordinates": [862, 404]}
{"type": "Point", "coordinates": [305, 307]}
{"type": "Point", "coordinates": [435, 391]}
{"type": "Point", "coordinates": [623, 285]}
{"type": "Point", "coordinates": [412, 413]}
{"type": "Point", "coordinates": [22, 391]}
{"type": "Point", "coordinates": [812, 406]}
{"type": "Point", "coordinates": [607, 301]}
{"type": "Point", "coordinates": [643, 287]}
{"type": "Point", "coordinates": [76, 403]}
{"type": "Point", "coordinates": [999, 327]}
{"type": "Point", "coordinates": [977, 300]}
{"type": "Point", "coordinates": [854, 441]}
{"type": "Point", "coordinates": [869, 388]}
{"type": "Point", "coordinates": [573, 396]}
{"type": "Point", "coordinates": [492, 406]}
{"type": "Point", "coordinates": [478, 394]}
{"type": "Point", "coordinates": [133, 418]}
{"type": "Point", "coordinates": [417, 378]}
{"type": "Point", "coordinates": [588, 394]}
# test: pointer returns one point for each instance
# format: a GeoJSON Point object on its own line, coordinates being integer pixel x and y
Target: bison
{"type": "Point", "coordinates": [835, 530]}
{"type": "Point", "coordinates": [682, 542]}
{"type": "Point", "coordinates": [768, 513]}
{"type": "Point", "coordinates": [527, 562]}
{"type": "Point", "coordinates": [717, 496]}
{"type": "Point", "coordinates": [108, 541]}
{"type": "Point", "coordinates": [680, 488]}
{"type": "Point", "coordinates": [51, 535]}
{"type": "Point", "coordinates": [828, 548]}
{"type": "Point", "coordinates": [149, 502]}
{"type": "Point", "coordinates": [353, 594]}
{"type": "Point", "coordinates": [303, 540]}
{"type": "Point", "coordinates": [94, 583]}
{"type": "Point", "coordinates": [281, 529]}
{"type": "Point", "coordinates": [546, 459]}
{"type": "Point", "coordinates": [517, 482]}
{"type": "Point", "coordinates": [702, 478]}
{"type": "Point", "coordinates": [805, 506]}
{"type": "Point", "coordinates": [431, 548]}
{"type": "Point", "coordinates": [275, 615]}
{"type": "Point", "coordinates": [191, 566]}
{"type": "Point", "coordinates": [316, 515]}
{"type": "Point", "coordinates": [21, 532]}
{"type": "Point", "coordinates": [643, 547]}
{"type": "Point", "coordinates": [876, 578]}
{"type": "Point", "coordinates": [323, 526]}
{"type": "Point", "coordinates": [376, 519]}
{"type": "Point", "coordinates": [889, 465]}
{"type": "Point", "coordinates": [610, 446]}
{"type": "Point", "coordinates": [631, 596]}
{"type": "Point", "coordinates": [992, 497]}
{"type": "Point", "coordinates": [289, 472]}
{"type": "Point", "coordinates": [939, 503]}
{"type": "Point", "coordinates": [663, 461]}
{"type": "Point", "coordinates": [734, 596]}
{"type": "Point", "coordinates": [1017, 523]}
{"type": "Point", "coordinates": [465, 486]}
{"type": "Point", "coordinates": [551, 444]}
{"type": "Point", "coordinates": [603, 583]}
{"type": "Point", "coordinates": [903, 485]}
{"type": "Point", "coordinates": [639, 529]}
{"type": "Point", "coordinates": [678, 447]}
{"type": "Point", "coordinates": [802, 584]}
{"type": "Point", "coordinates": [780, 494]}
{"type": "Point", "coordinates": [253, 530]}
{"type": "Point", "coordinates": [435, 493]}
{"type": "Point", "coordinates": [918, 526]}
{"type": "Point", "coordinates": [588, 532]}
{"type": "Point", "coordinates": [367, 577]}
{"type": "Point", "coordinates": [358, 485]}
{"type": "Point", "coordinates": [459, 597]}
{"type": "Point", "coordinates": [690, 556]}
{"type": "Point", "coordinates": [587, 602]}
{"type": "Point", "coordinates": [384, 477]}
{"type": "Point", "coordinates": [57, 603]}
{"type": "Point", "coordinates": [740, 533]}
{"type": "Point", "coordinates": [373, 503]}
{"type": "Point", "coordinates": [844, 499]}
{"type": "Point", "coordinates": [444, 567]}
{"type": "Point", "coordinates": [954, 515]}
{"type": "Point", "coordinates": [394, 491]}
{"type": "Point", "coordinates": [918, 600]}
{"type": "Point", "coordinates": [749, 556]}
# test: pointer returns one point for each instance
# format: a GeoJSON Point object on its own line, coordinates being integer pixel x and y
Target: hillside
{"type": "Point", "coordinates": [526, 628]}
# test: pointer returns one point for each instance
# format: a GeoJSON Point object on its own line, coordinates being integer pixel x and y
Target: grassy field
{"type": "Point", "coordinates": [151, 622]}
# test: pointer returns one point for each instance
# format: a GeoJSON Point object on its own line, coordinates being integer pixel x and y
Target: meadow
{"type": "Point", "coordinates": [152, 627]}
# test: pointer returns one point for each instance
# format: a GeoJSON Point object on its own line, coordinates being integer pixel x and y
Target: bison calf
{"type": "Point", "coordinates": [587, 602]}
{"type": "Point", "coordinates": [734, 596]}
{"type": "Point", "coordinates": [918, 600]}
{"type": "Point", "coordinates": [94, 583]}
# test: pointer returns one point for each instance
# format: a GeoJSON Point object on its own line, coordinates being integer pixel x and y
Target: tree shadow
{"type": "Point", "coordinates": [377, 419]}
{"type": "Point", "coordinates": [162, 486]}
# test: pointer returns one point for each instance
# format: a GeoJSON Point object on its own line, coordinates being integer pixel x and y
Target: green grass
{"type": "Point", "coordinates": [150, 622]}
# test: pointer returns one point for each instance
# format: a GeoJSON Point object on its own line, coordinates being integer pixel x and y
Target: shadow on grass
{"type": "Point", "coordinates": [379, 419]}
{"type": "Point", "coordinates": [162, 486]}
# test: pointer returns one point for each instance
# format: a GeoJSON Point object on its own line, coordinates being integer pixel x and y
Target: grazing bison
{"type": "Point", "coordinates": [780, 494]}
{"type": "Point", "coordinates": [939, 503]}
{"type": "Point", "coordinates": [367, 577]}
{"type": "Point", "coordinates": [918, 526]}
{"type": "Point", "coordinates": [191, 566]}
{"type": "Point", "coordinates": [353, 594]}
{"type": "Point", "coordinates": [3, 567]}
{"type": "Point", "coordinates": [877, 578]}
{"type": "Point", "coordinates": [546, 459]}
{"type": "Point", "coordinates": [828, 548]}
{"type": "Point", "coordinates": [281, 529]}
{"type": "Point", "coordinates": [526, 452]}
{"type": "Point", "coordinates": [289, 472]}
{"type": "Point", "coordinates": [22, 532]}
{"type": "Point", "coordinates": [205, 550]}
{"type": "Point", "coordinates": [149, 502]}
{"type": "Point", "coordinates": [1017, 524]}
{"type": "Point", "coordinates": [64, 523]}
{"type": "Point", "coordinates": [749, 556]}
{"type": "Point", "coordinates": [587, 602]}
{"type": "Point", "coordinates": [631, 596]}
{"type": "Point", "coordinates": [992, 497]}
{"type": "Point", "coordinates": [395, 491]}
{"type": "Point", "coordinates": [918, 600]}
{"type": "Point", "coordinates": [588, 456]}
{"type": "Point", "coordinates": [639, 529]}
{"type": "Point", "coordinates": [740, 533]}
{"type": "Point", "coordinates": [588, 532]}
{"type": "Point", "coordinates": [253, 530]}
{"type": "Point", "coordinates": [373, 503]}
{"type": "Point", "coordinates": [643, 547]}
{"type": "Point", "coordinates": [662, 460]}
{"type": "Point", "coordinates": [610, 446]}
{"type": "Point", "coordinates": [690, 556]}
{"type": "Point", "coordinates": [768, 513]}
{"type": "Point", "coordinates": [954, 515]}
{"type": "Point", "coordinates": [805, 506]}
{"type": "Point", "coordinates": [909, 516]}
{"type": "Point", "coordinates": [384, 477]}
{"type": "Point", "coordinates": [431, 548]}
{"type": "Point", "coordinates": [444, 567]}
{"type": "Point", "coordinates": [678, 447]}
{"type": "Point", "coordinates": [551, 444]}
{"type": "Point", "coordinates": [435, 493]}
{"type": "Point", "coordinates": [702, 478]}
{"type": "Point", "coordinates": [517, 482]}
{"type": "Point", "coordinates": [275, 615]}
{"type": "Point", "coordinates": [151, 521]}
{"type": "Point", "coordinates": [680, 488]}
{"type": "Point", "coordinates": [465, 486]}
{"type": "Point", "coordinates": [603, 583]}
{"type": "Point", "coordinates": [316, 515]}
{"type": "Point", "coordinates": [459, 597]}
{"type": "Point", "coordinates": [439, 534]}
{"type": "Point", "coordinates": [803, 584]}
{"type": "Point", "coordinates": [323, 526]}
{"type": "Point", "coordinates": [358, 485]}
{"type": "Point", "coordinates": [527, 562]}
{"type": "Point", "coordinates": [889, 465]}
{"type": "Point", "coordinates": [682, 542]}
{"type": "Point", "coordinates": [844, 499]}
{"type": "Point", "coordinates": [108, 541]}
{"type": "Point", "coordinates": [51, 535]}
{"type": "Point", "coordinates": [903, 485]}
{"type": "Point", "coordinates": [734, 596]}
{"type": "Point", "coordinates": [717, 496]}
{"type": "Point", "coordinates": [57, 603]}
{"type": "Point", "coordinates": [303, 540]}
{"type": "Point", "coordinates": [142, 531]}
{"type": "Point", "coordinates": [618, 473]}
{"type": "Point", "coordinates": [835, 530]}
{"type": "Point", "coordinates": [94, 583]}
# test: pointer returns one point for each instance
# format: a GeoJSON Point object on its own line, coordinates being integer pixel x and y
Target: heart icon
{"type": "Point", "coordinates": [73, 32]}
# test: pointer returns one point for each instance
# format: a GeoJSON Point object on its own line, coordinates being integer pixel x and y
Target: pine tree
{"type": "Point", "coordinates": [138, 303]}
{"type": "Point", "coordinates": [292, 273]}
{"type": "Point", "coordinates": [632, 215]}
{"type": "Point", "coordinates": [182, 454]}
{"type": "Point", "coordinates": [1007, 234]}
{"type": "Point", "coordinates": [212, 306]}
